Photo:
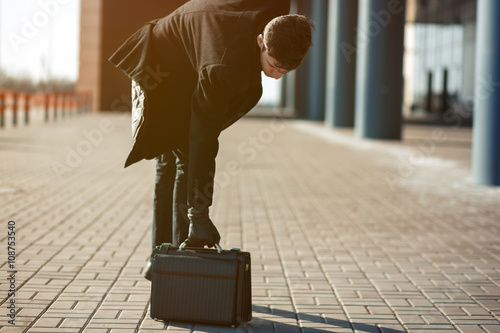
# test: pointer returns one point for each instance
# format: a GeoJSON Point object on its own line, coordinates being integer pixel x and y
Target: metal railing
{"type": "Point", "coordinates": [41, 107]}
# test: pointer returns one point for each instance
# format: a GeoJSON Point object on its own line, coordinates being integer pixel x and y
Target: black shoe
{"type": "Point", "coordinates": [148, 272]}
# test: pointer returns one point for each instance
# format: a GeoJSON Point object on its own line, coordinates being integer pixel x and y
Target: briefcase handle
{"type": "Point", "coordinates": [184, 244]}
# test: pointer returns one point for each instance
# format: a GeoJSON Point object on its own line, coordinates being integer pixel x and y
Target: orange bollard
{"type": "Point", "coordinates": [2, 109]}
{"type": "Point", "coordinates": [74, 102]}
{"type": "Point", "coordinates": [56, 102]}
{"type": "Point", "coordinates": [62, 99]}
{"type": "Point", "coordinates": [14, 108]}
{"type": "Point", "coordinates": [84, 102]}
{"type": "Point", "coordinates": [46, 104]}
{"type": "Point", "coordinates": [66, 103]}
{"type": "Point", "coordinates": [27, 100]}
{"type": "Point", "coordinates": [71, 103]}
{"type": "Point", "coordinates": [89, 102]}
{"type": "Point", "coordinates": [78, 103]}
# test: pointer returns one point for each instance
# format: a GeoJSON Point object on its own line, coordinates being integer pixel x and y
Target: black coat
{"type": "Point", "coordinates": [200, 70]}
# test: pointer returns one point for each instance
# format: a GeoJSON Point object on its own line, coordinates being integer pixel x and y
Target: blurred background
{"type": "Point", "coordinates": [375, 64]}
{"type": "Point", "coordinates": [40, 42]}
{"type": "Point", "coordinates": [43, 42]}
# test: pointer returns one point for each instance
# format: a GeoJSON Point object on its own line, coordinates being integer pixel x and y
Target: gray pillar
{"type": "Point", "coordinates": [310, 76]}
{"type": "Point", "coordinates": [379, 69]}
{"type": "Point", "coordinates": [486, 131]}
{"type": "Point", "coordinates": [444, 94]}
{"type": "Point", "coordinates": [288, 90]}
{"type": "Point", "coordinates": [429, 92]}
{"type": "Point", "coordinates": [341, 63]}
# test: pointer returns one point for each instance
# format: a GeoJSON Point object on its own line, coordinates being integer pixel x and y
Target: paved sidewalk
{"type": "Point", "coordinates": [345, 235]}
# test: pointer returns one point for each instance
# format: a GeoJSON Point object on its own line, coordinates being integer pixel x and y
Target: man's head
{"type": "Point", "coordinates": [284, 43]}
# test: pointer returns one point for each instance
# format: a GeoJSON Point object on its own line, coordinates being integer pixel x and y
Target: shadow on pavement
{"type": "Point", "coordinates": [319, 324]}
{"type": "Point", "coordinates": [327, 324]}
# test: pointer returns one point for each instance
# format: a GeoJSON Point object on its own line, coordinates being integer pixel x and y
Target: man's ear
{"type": "Point", "coordinates": [260, 40]}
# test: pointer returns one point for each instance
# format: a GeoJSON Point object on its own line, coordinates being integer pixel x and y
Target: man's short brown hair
{"type": "Point", "coordinates": [287, 39]}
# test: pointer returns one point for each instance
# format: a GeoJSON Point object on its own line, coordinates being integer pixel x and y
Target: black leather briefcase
{"type": "Point", "coordinates": [200, 285]}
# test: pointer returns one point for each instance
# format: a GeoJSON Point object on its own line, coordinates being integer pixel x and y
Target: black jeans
{"type": "Point", "coordinates": [170, 222]}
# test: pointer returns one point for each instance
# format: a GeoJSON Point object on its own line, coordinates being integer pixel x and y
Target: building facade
{"type": "Point", "coordinates": [105, 25]}
{"type": "Point", "coordinates": [440, 57]}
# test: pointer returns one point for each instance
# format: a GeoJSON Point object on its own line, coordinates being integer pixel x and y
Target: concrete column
{"type": "Point", "coordinates": [287, 95]}
{"type": "Point", "coordinates": [486, 130]}
{"type": "Point", "coordinates": [341, 63]}
{"type": "Point", "coordinates": [288, 92]}
{"type": "Point", "coordinates": [444, 94]}
{"type": "Point", "coordinates": [429, 92]}
{"type": "Point", "coordinates": [379, 69]}
{"type": "Point", "coordinates": [310, 76]}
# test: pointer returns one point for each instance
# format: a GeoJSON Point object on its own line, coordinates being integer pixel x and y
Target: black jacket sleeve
{"type": "Point", "coordinates": [208, 115]}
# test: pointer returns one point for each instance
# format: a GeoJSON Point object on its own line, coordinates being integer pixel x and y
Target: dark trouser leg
{"type": "Point", "coordinates": [163, 198]}
{"type": "Point", "coordinates": [180, 222]}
